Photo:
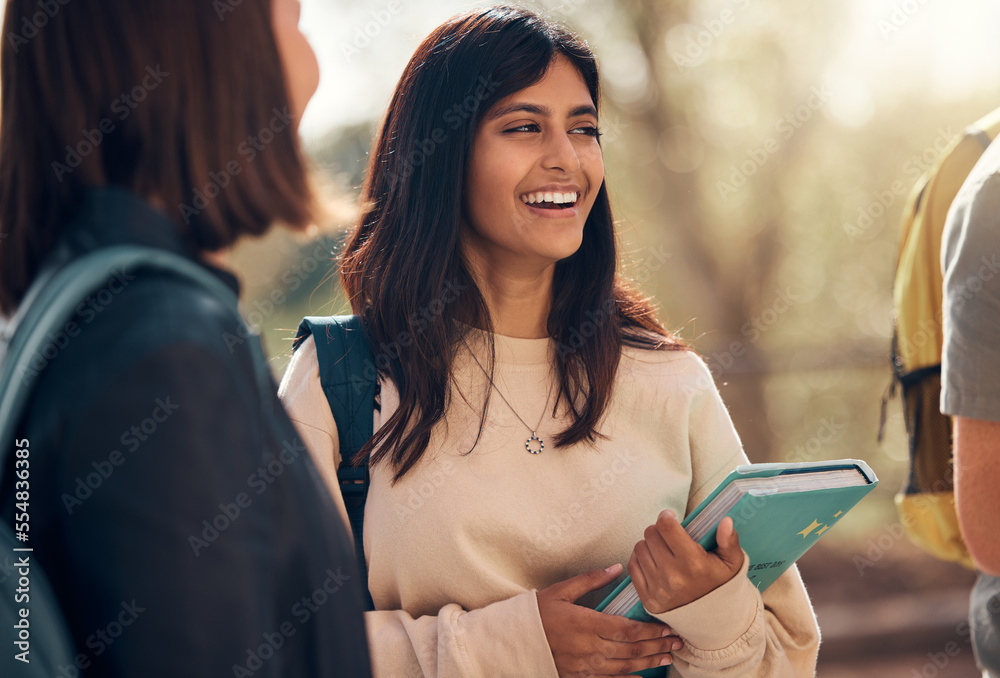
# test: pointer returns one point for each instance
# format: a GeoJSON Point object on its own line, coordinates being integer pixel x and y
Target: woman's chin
{"type": "Point", "coordinates": [563, 250]}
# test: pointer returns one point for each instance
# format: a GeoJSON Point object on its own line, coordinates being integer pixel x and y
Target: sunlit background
{"type": "Point", "coordinates": [759, 154]}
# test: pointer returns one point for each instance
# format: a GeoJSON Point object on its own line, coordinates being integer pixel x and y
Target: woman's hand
{"type": "Point", "coordinates": [670, 569]}
{"type": "Point", "coordinates": [589, 643]}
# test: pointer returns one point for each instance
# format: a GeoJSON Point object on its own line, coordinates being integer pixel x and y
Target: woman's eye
{"type": "Point", "coordinates": [530, 127]}
{"type": "Point", "coordinates": [586, 130]}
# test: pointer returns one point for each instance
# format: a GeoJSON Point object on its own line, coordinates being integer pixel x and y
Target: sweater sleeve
{"type": "Point", "coordinates": [455, 642]}
{"type": "Point", "coordinates": [734, 630]}
{"type": "Point", "coordinates": [502, 639]}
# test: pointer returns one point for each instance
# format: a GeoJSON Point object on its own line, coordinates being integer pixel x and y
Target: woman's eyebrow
{"type": "Point", "coordinates": [536, 109]}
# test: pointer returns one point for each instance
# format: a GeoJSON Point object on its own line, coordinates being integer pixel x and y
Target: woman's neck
{"type": "Point", "coordinates": [519, 303]}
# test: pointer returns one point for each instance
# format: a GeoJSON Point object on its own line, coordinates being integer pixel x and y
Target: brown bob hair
{"type": "Point", "coordinates": [182, 102]}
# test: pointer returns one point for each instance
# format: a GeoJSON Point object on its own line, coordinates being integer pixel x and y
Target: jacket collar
{"type": "Point", "coordinates": [112, 215]}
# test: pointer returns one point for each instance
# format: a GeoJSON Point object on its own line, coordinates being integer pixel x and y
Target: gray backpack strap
{"type": "Point", "coordinates": [348, 376]}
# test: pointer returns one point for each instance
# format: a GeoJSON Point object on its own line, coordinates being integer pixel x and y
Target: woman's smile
{"type": "Point", "coordinates": [553, 202]}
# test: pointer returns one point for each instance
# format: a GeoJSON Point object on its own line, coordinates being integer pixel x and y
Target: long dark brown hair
{"type": "Point", "coordinates": [403, 265]}
{"type": "Point", "coordinates": [157, 96]}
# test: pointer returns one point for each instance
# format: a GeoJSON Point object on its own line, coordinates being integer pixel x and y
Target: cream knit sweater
{"type": "Point", "coordinates": [458, 547]}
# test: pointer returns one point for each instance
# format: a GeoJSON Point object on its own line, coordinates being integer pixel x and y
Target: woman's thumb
{"type": "Point", "coordinates": [728, 543]}
{"type": "Point", "coordinates": [572, 589]}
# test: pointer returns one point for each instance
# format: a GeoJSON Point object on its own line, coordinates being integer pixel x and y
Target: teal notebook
{"type": "Point", "coordinates": [779, 512]}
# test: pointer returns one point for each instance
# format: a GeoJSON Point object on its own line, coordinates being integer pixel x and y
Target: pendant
{"type": "Point", "coordinates": [527, 444]}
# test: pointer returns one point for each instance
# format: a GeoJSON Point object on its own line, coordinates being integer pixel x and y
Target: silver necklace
{"type": "Point", "coordinates": [534, 431]}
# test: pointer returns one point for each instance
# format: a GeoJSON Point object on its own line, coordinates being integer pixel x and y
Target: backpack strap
{"type": "Point", "coordinates": [977, 133]}
{"type": "Point", "coordinates": [51, 302]}
{"type": "Point", "coordinates": [348, 376]}
{"type": "Point", "coordinates": [47, 306]}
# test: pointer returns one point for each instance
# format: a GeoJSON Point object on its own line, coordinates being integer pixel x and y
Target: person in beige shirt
{"type": "Point", "coordinates": [534, 418]}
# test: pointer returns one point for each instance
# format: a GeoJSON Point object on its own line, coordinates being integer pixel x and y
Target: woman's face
{"type": "Point", "coordinates": [297, 57]}
{"type": "Point", "coordinates": [534, 172]}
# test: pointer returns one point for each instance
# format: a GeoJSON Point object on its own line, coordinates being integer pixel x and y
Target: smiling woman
{"type": "Point", "coordinates": [546, 377]}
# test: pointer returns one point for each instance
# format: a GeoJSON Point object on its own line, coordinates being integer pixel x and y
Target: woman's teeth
{"type": "Point", "coordinates": [549, 199]}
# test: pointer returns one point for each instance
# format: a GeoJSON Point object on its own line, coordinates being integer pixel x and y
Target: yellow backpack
{"type": "Point", "coordinates": [926, 505]}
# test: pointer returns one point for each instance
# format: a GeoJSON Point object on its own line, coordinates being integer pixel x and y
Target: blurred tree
{"type": "Point", "coordinates": [343, 154]}
{"type": "Point", "coordinates": [708, 111]}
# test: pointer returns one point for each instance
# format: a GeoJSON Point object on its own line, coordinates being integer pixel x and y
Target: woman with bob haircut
{"type": "Point", "coordinates": [534, 416]}
{"type": "Point", "coordinates": [182, 526]}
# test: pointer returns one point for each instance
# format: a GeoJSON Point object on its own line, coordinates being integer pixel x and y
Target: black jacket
{"type": "Point", "coordinates": [185, 531]}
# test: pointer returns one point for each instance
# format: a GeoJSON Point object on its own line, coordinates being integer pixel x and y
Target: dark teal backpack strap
{"type": "Point", "coordinates": [348, 376]}
{"type": "Point", "coordinates": [49, 303]}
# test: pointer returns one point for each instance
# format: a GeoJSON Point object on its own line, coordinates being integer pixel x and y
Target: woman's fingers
{"type": "Point", "coordinates": [637, 644]}
{"type": "Point", "coordinates": [646, 563]}
{"type": "Point", "coordinates": [675, 537]}
{"type": "Point", "coordinates": [585, 642]}
{"type": "Point", "coordinates": [646, 649]}
{"type": "Point", "coordinates": [570, 589]}
{"type": "Point", "coordinates": [618, 629]}
{"type": "Point", "coordinates": [637, 575]}
{"type": "Point", "coordinates": [613, 645]}
{"type": "Point", "coordinates": [669, 569]}
{"type": "Point", "coordinates": [660, 551]}
{"type": "Point", "coordinates": [589, 643]}
{"type": "Point", "coordinates": [602, 666]}
{"type": "Point", "coordinates": [620, 658]}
